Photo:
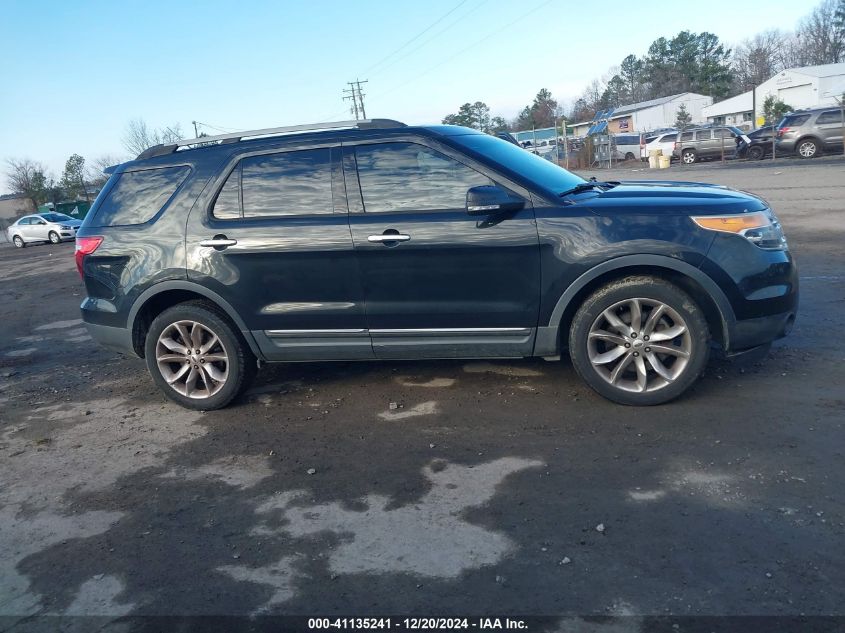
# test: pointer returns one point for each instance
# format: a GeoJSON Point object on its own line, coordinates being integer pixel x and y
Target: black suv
{"type": "Point", "coordinates": [758, 145]}
{"type": "Point", "coordinates": [375, 240]}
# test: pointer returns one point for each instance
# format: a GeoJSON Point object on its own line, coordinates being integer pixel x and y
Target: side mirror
{"type": "Point", "coordinates": [492, 199]}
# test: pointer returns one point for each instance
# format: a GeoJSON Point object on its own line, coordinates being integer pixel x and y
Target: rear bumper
{"type": "Point", "coordinates": [117, 339]}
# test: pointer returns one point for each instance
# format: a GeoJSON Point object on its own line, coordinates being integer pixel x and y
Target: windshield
{"type": "Point", "coordinates": [56, 217]}
{"type": "Point", "coordinates": [530, 166]}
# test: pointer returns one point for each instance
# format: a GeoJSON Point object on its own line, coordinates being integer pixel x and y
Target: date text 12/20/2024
{"type": "Point", "coordinates": [417, 624]}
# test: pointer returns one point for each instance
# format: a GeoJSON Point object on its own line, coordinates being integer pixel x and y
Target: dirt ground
{"type": "Point", "coordinates": [492, 489]}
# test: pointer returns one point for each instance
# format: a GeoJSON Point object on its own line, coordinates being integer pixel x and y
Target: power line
{"type": "Point", "coordinates": [465, 49]}
{"type": "Point", "coordinates": [413, 50]}
{"type": "Point", "coordinates": [433, 37]}
{"type": "Point", "coordinates": [214, 127]}
{"type": "Point", "coordinates": [453, 56]}
{"type": "Point", "coordinates": [417, 36]}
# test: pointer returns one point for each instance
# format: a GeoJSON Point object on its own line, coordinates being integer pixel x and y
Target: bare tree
{"type": "Point", "coordinates": [757, 59]}
{"type": "Point", "coordinates": [818, 39]}
{"type": "Point", "coordinates": [95, 173]}
{"type": "Point", "coordinates": [139, 137]}
{"type": "Point", "coordinates": [28, 178]}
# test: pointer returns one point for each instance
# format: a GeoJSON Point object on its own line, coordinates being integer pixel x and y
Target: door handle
{"type": "Point", "coordinates": [219, 242]}
{"type": "Point", "coordinates": [389, 237]}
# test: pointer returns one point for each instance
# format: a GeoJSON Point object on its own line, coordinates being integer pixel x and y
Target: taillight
{"type": "Point", "coordinates": [782, 130]}
{"type": "Point", "coordinates": [85, 246]}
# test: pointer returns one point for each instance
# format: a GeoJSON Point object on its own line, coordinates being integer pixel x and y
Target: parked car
{"type": "Point", "coordinates": [507, 136]}
{"type": "Point", "coordinates": [811, 132]}
{"type": "Point", "coordinates": [663, 141]}
{"type": "Point", "coordinates": [374, 240]}
{"type": "Point", "coordinates": [707, 142]}
{"type": "Point", "coordinates": [43, 227]}
{"type": "Point", "coordinates": [627, 146]}
{"type": "Point", "coordinates": [758, 146]}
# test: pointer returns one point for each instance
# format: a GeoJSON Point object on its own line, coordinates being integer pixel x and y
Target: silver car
{"type": "Point", "coordinates": [43, 227]}
{"type": "Point", "coordinates": [810, 132]}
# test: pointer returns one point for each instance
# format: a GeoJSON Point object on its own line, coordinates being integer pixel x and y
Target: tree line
{"type": "Point", "coordinates": [687, 62]}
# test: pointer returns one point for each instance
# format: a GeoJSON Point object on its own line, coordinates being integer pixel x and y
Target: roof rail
{"type": "Point", "coordinates": [234, 137]}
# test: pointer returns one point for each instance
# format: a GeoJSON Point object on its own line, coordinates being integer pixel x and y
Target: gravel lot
{"type": "Point", "coordinates": [492, 488]}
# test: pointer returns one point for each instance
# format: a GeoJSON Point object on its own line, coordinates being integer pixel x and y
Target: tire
{"type": "Point", "coordinates": [688, 157]}
{"type": "Point", "coordinates": [808, 148]}
{"type": "Point", "coordinates": [612, 359]}
{"type": "Point", "coordinates": [54, 237]}
{"type": "Point", "coordinates": [17, 240]}
{"type": "Point", "coordinates": [755, 152]}
{"type": "Point", "coordinates": [629, 156]}
{"type": "Point", "coordinates": [220, 372]}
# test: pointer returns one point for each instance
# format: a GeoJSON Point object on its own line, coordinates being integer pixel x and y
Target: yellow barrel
{"type": "Point", "coordinates": [665, 161]}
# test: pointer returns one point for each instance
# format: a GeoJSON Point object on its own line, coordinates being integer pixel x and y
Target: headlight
{"type": "Point", "coordinates": [65, 228]}
{"type": "Point", "coordinates": [761, 228]}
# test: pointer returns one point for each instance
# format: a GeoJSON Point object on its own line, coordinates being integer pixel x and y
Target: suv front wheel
{"type": "Point", "coordinates": [639, 341]}
{"type": "Point", "coordinates": [197, 358]}
{"type": "Point", "coordinates": [755, 152]}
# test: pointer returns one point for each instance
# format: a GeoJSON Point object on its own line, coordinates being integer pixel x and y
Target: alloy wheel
{"type": "Point", "coordinates": [639, 345]}
{"type": "Point", "coordinates": [18, 241]}
{"type": "Point", "coordinates": [689, 158]}
{"type": "Point", "coordinates": [807, 149]}
{"type": "Point", "coordinates": [192, 359]}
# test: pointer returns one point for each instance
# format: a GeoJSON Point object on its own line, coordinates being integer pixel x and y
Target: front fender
{"type": "Point", "coordinates": [548, 334]}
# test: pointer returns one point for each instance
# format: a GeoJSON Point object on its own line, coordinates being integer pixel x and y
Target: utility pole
{"type": "Point", "coordinates": [196, 134]}
{"type": "Point", "coordinates": [354, 93]}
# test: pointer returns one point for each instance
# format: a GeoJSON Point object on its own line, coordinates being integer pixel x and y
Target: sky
{"type": "Point", "coordinates": [73, 74]}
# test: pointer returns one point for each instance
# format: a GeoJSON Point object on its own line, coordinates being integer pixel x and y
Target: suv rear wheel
{"type": "Point", "coordinates": [639, 341]}
{"type": "Point", "coordinates": [197, 358]}
{"type": "Point", "coordinates": [688, 156]}
{"type": "Point", "coordinates": [807, 148]}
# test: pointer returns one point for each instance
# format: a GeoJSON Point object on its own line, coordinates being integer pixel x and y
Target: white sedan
{"type": "Point", "coordinates": [43, 227]}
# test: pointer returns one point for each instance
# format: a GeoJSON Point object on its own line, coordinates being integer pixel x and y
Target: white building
{"type": "Point", "coordinates": [799, 88]}
{"type": "Point", "coordinates": [738, 111]}
{"type": "Point", "coordinates": [802, 88]}
{"type": "Point", "coordinates": [654, 114]}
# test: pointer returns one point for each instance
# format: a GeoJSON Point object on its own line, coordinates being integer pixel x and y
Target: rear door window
{"type": "Point", "coordinates": [137, 196]}
{"type": "Point", "coordinates": [686, 136]}
{"type": "Point", "coordinates": [702, 135]}
{"type": "Point", "coordinates": [669, 138]}
{"type": "Point", "coordinates": [833, 116]}
{"type": "Point", "coordinates": [228, 203]}
{"type": "Point", "coordinates": [291, 183]}
{"type": "Point", "coordinates": [277, 185]}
